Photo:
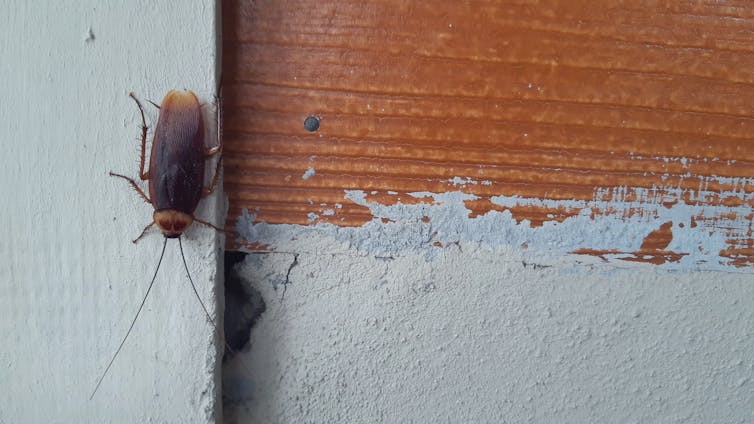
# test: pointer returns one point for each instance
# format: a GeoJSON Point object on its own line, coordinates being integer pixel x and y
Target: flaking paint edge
{"type": "Point", "coordinates": [700, 232]}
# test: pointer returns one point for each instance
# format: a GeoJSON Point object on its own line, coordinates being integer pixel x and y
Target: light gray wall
{"type": "Point", "coordinates": [70, 278]}
{"type": "Point", "coordinates": [490, 335]}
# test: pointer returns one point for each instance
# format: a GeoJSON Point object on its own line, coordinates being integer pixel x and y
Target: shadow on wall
{"type": "Point", "coordinates": [243, 307]}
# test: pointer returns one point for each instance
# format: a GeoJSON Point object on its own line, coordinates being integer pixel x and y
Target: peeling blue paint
{"type": "Point", "coordinates": [699, 231]}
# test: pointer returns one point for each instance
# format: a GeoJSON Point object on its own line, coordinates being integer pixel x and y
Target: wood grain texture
{"type": "Point", "coordinates": [556, 100]}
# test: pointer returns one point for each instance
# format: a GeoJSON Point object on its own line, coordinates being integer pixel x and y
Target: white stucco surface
{"type": "Point", "coordinates": [70, 278]}
{"type": "Point", "coordinates": [475, 333]}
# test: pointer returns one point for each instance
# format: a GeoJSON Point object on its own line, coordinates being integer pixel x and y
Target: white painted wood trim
{"type": "Point", "coordinates": [70, 279]}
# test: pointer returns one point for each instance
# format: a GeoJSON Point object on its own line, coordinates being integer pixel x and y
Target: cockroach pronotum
{"type": "Point", "coordinates": [176, 180]}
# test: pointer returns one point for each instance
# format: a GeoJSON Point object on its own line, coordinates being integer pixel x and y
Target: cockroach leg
{"type": "Point", "coordinates": [210, 225]}
{"type": "Point", "coordinates": [218, 120]}
{"type": "Point", "coordinates": [143, 175]}
{"type": "Point", "coordinates": [133, 184]}
{"type": "Point", "coordinates": [212, 151]}
{"type": "Point", "coordinates": [208, 153]}
{"type": "Point", "coordinates": [206, 191]}
{"type": "Point", "coordinates": [143, 232]}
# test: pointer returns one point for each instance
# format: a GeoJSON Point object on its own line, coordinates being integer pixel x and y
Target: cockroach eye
{"type": "Point", "coordinates": [311, 124]}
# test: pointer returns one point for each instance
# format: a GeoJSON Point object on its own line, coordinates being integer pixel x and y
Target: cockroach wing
{"type": "Point", "coordinates": [176, 165]}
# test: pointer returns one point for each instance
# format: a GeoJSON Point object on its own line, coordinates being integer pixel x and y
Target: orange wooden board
{"type": "Point", "coordinates": [617, 109]}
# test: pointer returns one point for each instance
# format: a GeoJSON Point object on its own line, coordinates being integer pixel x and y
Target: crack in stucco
{"type": "Point", "coordinates": [287, 281]}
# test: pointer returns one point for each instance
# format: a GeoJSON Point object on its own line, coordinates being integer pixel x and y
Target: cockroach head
{"type": "Point", "coordinates": [172, 223]}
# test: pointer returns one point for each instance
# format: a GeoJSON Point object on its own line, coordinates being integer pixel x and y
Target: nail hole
{"type": "Point", "coordinates": [311, 124]}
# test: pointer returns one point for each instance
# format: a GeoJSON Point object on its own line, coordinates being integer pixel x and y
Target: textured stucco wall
{"type": "Point", "coordinates": [70, 278]}
{"type": "Point", "coordinates": [476, 333]}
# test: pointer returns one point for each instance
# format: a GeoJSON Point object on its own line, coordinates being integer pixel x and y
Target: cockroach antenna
{"type": "Point", "coordinates": [131, 327]}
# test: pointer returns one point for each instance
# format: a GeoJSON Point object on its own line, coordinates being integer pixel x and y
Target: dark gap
{"type": "Point", "coordinates": [243, 306]}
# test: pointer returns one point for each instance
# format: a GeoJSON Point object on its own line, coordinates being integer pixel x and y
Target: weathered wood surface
{"type": "Point", "coordinates": [609, 106]}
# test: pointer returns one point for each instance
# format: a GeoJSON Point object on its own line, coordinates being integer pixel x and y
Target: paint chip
{"type": "Point", "coordinates": [308, 174]}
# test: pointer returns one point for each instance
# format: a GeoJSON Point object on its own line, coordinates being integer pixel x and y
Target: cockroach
{"type": "Point", "coordinates": [176, 180]}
